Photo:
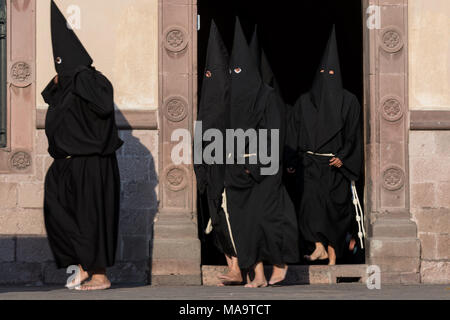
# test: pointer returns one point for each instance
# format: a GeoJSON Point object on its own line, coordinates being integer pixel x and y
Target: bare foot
{"type": "Point", "coordinates": [278, 274]}
{"type": "Point", "coordinates": [231, 276]}
{"type": "Point", "coordinates": [257, 283]}
{"type": "Point", "coordinates": [332, 256]}
{"type": "Point", "coordinates": [234, 275]}
{"type": "Point", "coordinates": [80, 277]}
{"type": "Point", "coordinates": [319, 254]}
{"type": "Point", "coordinates": [260, 279]}
{"type": "Point", "coordinates": [99, 281]}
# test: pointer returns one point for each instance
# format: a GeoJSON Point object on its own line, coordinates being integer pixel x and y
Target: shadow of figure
{"type": "Point", "coordinates": [138, 202]}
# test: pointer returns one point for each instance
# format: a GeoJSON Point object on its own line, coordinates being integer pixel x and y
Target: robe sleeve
{"type": "Point", "coordinates": [95, 88]}
{"type": "Point", "coordinates": [352, 152]}
{"type": "Point", "coordinates": [49, 92]}
{"type": "Point", "coordinates": [272, 119]}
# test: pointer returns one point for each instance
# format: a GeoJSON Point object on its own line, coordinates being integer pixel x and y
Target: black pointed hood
{"type": "Point", "coordinates": [327, 93]}
{"type": "Point", "coordinates": [215, 94]}
{"type": "Point", "coordinates": [245, 82]}
{"type": "Point", "coordinates": [68, 52]}
{"type": "Point", "coordinates": [255, 48]}
{"type": "Point", "coordinates": [265, 70]}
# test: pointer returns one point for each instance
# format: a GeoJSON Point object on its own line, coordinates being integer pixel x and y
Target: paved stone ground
{"type": "Point", "coordinates": [306, 292]}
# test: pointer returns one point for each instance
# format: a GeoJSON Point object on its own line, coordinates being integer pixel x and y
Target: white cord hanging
{"type": "Point", "coordinates": [209, 228]}
{"type": "Point", "coordinates": [359, 214]}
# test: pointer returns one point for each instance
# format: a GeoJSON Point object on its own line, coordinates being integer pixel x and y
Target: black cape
{"type": "Point", "coordinates": [262, 216]}
{"type": "Point", "coordinates": [82, 187]}
{"type": "Point", "coordinates": [326, 120]}
{"type": "Point", "coordinates": [214, 113]}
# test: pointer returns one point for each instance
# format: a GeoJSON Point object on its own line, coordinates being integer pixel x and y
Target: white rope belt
{"type": "Point", "coordinates": [209, 228]}
{"type": "Point", "coordinates": [359, 214]}
{"type": "Point", "coordinates": [321, 154]}
{"type": "Point", "coordinates": [249, 155]}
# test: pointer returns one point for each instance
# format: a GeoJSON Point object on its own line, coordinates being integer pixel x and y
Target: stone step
{"type": "Point", "coordinates": [299, 275]}
{"type": "Point", "coordinates": [176, 280]}
{"type": "Point", "coordinates": [398, 228]}
{"type": "Point", "coordinates": [175, 220]}
{"type": "Point", "coordinates": [175, 267]}
{"type": "Point", "coordinates": [181, 249]}
{"type": "Point", "coordinates": [171, 231]}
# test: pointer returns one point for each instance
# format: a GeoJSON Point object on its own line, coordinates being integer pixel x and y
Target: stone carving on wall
{"type": "Point", "coordinates": [21, 73]}
{"type": "Point", "coordinates": [391, 108]}
{"type": "Point", "coordinates": [20, 161]}
{"type": "Point", "coordinates": [176, 39]}
{"type": "Point", "coordinates": [176, 109]}
{"type": "Point", "coordinates": [391, 39]}
{"type": "Point", "coordinates": [176, 177]}
{"type": "Point", "coordinates": [393, 178]}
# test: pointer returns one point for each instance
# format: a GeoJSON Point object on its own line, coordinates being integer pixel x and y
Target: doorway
{"type": "Point", "coordinates": [294, 35]}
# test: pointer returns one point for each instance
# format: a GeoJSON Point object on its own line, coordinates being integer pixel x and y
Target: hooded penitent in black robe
{"type": "Point", "coordinates": [214, 111]}
{"type": "Point", "coordinates": [327, 121]}
{"type": "Point", "coordinates": [268, 77]}
{"type": "Point", "coordinates": [82, 187]}
{"type": "Point", "coordinates": [262, 217]}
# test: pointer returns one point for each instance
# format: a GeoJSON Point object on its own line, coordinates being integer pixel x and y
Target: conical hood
{"type": "Point", "coordinates": [245, 82]}
{"type": "Point", "coordinates": [68, 52]}
{"type": "Point", "coordinates": [265, 70]}
{"type": "Point", "coordinates": [255, 48]}
{"type": "Point", "coordinates": [215, 94]}
{"type": "Point", "coordinates": [328, 75]}
{"type": "Point", "coordinates": [327, 92]}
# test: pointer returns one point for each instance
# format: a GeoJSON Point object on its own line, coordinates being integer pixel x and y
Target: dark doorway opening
{"type": "Point", "coordinates": [294, 35]}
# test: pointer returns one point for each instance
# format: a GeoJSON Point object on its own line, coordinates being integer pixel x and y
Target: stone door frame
{"type": "Point", "coordinates": [392, 236]}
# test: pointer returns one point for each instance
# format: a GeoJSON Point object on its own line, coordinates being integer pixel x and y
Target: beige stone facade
{"type": "Point", "coordinates": [148, 50]}
{"type": "Point", "coordinates": [429, 76]}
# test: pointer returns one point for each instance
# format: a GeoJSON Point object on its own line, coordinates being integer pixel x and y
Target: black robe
{"type": "Point", "coordinates": [326, 210]}
{"type": "Point", "coordinates": [326, 122]}
{"type": "Point", "coordinates": [214, 110]}
{"type": "Point", "coordinates": [262, 217]}
{"type": "Point", "coordinates": [82, 187]}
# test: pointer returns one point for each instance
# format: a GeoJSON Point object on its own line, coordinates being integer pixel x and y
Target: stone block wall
{"type": "Point", "coordinates": [430, 201]}
{"type": "Point", "coordinates": [25, 256]}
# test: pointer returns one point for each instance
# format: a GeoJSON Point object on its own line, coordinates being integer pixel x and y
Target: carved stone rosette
{"type": "Point", "coordinates": [391, 108]}
{"type": "Point", "coordinates": [176, 177]}
{"type": "Point", "coordinates": [393, 178]}
{"type": "Point", "coordinates": [176, 108]}
{"type": "Point", "coordinates": [21, 74]}
{"type": "Point", "coordinates": [20, 161]}
{"type": "Point", "coordinates": [391, 39]}
{"type": "Point", "coordinates": [176, 39]}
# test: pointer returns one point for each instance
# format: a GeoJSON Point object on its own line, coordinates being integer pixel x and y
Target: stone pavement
{"type": "Point", "coordinates": [305, 292]}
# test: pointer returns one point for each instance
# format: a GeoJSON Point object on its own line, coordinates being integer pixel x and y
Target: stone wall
{"type": "Point", "coordinates": [429, 150]}
{"type": "Point", "coordinates": [430, 201]}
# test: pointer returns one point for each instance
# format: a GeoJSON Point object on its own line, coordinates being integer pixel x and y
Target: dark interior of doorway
{"type": "Point", "coordinates": [294, 35]}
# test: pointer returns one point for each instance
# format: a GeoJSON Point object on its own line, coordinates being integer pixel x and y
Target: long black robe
{"type": "Point", "coordinates": [82, 187]}
{"type": "Point", "coordinates": [214, 111]}
{"type": "Point", "coordinates": [262, 217]}
{"type": "Point", "coordinates": [268, 77]}
{"type": "Point", "coordinates": [326, 120]}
